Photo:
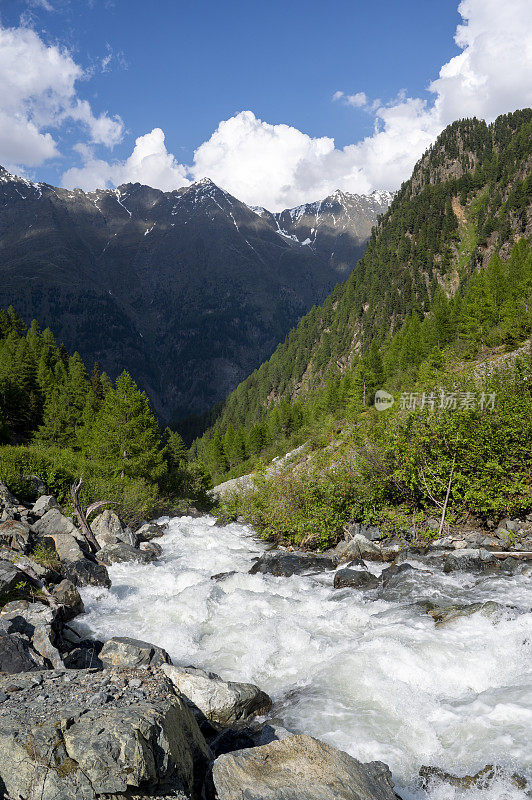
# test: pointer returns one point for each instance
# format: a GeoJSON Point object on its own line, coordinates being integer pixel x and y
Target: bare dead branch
{"type": "Point", "coordinates": [80, 514]}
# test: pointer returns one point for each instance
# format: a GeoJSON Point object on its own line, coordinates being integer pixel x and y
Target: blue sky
{"type": "Point", "coordinates": [186, 67]}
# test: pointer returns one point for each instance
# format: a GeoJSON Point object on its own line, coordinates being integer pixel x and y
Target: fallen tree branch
{"type": "Point", "coordinates": [444, 509]}
{"type": "Point", "coordinates": [82, 518]}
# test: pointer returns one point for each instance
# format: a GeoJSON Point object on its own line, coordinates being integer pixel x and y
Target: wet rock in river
{"type": "Point", "coordinates": [483, 779]}
{"type": "Point", "coordinates": [443, 615]}
{"type": "Point", "coordinates": [355, 578]}
{"type": "Point", "coordinates": [122, 552]}
{"type": "Point", "coordinates": [286, 564]}
{"type": "Point", "coordinates": [470, 559]}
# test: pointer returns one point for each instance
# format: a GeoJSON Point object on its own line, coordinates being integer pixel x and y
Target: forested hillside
{"type": "Point", "coordinates": [468, 200]}
{"type": "Point", "coordinates": [58, 422]}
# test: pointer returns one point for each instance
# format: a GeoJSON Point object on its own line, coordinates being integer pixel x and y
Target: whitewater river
{"type": "Point", "coordinates": [373, 677]}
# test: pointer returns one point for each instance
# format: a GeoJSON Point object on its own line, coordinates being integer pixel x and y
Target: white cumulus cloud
{"type": "Point", "coordinates": [38, 96]}
{"type": "Point", "coordinates": [275, 165]}
{"type": "Point", "coordinates": [150, 163]}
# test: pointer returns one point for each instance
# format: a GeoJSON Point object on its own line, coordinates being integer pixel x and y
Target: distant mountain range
{"type": "Point", "coordinates": [189, 290]}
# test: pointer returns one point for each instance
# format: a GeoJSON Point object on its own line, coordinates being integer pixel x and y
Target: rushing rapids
{"type": "Point", "coordinates": [368, 672]}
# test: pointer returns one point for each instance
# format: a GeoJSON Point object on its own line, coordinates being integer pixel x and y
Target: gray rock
{"type": "Point", "coordinates": [44, 503]}
{"type": "Point", "coordinates": [395, 575]}
{"type": "Point", "coordinates": [10, 577]}
{"type": "Point", "coordinates": [355, 578]}
{"type": "Point", "coordinates": [358, 547]}
{"type": "Point", "coordinates": [221, 702]}
{"type": "Point", "coordinates": [54, 522]}
{"type": "Point", "coordinates": [43, 642]}
{"type": "Point", "coordinates": [286, 564]}
{"type": "Point", "coordinates": [23, 617]}
{"type": "Point", "coordinates": [15, 535]}
{"type": "Point", "coordinates": [37, 485]}
{"type": "Point", "coordinates": [122, 651]}
{"type": "Point", "coordinates": [122, 552]}
{"type": "Point", "coordinates": [36, 622]}
{"type": "Point", "coordinates": [151, 547]}
{"type": "Point", "coordinates": [299, 767]}
{"type": "Point", "coordinates": [90, 736]}
{"type": "Point", "coordinates": [469, 559]}
{"type": "Point", "coordinates": [443, 615]}
{"type": "Point", "coordinates": [66, 546]}
{"type": "Point", "coordinates": [8, 503]}
{"type": "Point", "coordinates": [87, 573]}
{"type": "Point", "coordinates": [69, 598]}
{"type": "Point", "coordinates": [149, 531]}
{"type": "Point", "coordinates": [16, 655]}
{"type": "Point", "coordinates": [108, 529]}
{"type": "Point", "coordinates": [368, 531]}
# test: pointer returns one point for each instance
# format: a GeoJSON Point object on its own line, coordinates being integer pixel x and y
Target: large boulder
{"type": "Point", "coordinates": [122, 552]}
{"type": "Point", "coordinates": [286, 564]}
{"type": "Point", "coordinates": [220, 702]}
{"type": "Point", "coordinates": [355, 579]}
{"type": "Point", "coordinates": [470, 559]}
{"type": "Point", "coordinates": [54, 522]}
{"type": "Point", "coordinates": [15, 535]}
{"type": "Point", "coordinates": [121, 651]}
{"type": "Point", "coordinates": [361, 547]}
{"type": "Point", "coordinates": [66, 546]}
{"type": "Point", "coordinates": [299, 767]}
{"type": "Point", "coordinates": [43, 504]}
{"type": "Point", "coordinates": [87, 573]}
{"type": "Point", "coordinates": [87, 734]}
{"type": "Point", "coordinates": [108, 529]}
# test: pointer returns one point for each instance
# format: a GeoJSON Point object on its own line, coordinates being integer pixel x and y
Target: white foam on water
{"type": "Point", "coordinates": [374, 677]}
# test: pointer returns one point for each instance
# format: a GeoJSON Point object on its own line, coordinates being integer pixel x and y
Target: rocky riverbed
{"type": "Point", "coordinates": [313, 675]}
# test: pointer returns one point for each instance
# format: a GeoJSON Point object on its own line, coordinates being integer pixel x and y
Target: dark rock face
{"type": "Point", "coordinates": [189, 290]}
{"type": "Point", "coordinates": [17, 655]}
{"type": "Point", "coordinates": [394, 574]}
{"type": "Point", "coordinates": [68, 596]}
{"type": "Point", "coordinates": [87, 573]}
{"type": "Point", "coordinates": [10, 576]}
{"type": "Point", "coordinates": [287, 564]}
{"type": "Point", "coordinates": [355, 578]}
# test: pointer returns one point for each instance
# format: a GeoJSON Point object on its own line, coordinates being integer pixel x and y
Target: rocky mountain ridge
{"type": "Point", "coordinates": [188, 290]}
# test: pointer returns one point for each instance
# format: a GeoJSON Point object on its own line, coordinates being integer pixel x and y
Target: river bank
{"type": "Point", "coordinates": [422, 664]}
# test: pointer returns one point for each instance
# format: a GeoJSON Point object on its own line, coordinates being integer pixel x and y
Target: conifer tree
{"type": "Point", "coordinates": [124, 435]}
